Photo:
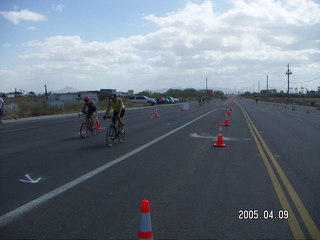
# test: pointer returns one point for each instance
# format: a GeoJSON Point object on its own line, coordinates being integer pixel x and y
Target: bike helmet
{"type": "Point", "coordinates": [86, 99]}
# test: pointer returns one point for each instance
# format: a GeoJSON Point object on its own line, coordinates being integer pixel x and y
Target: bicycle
{"type": "Point", "coordinates": [85, 126]}
{"type": "Point", "coordinates": [115, 131]}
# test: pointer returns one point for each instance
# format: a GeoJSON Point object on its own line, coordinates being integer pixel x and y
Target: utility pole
{"type": "Point", "coordinates": [259, 86]}
{"type": "Point", "coordinates": [45, 92]}
{"type": "Point", "coordinates": [206, 86]}
{"type": "Point", "coordinates": [288, 73]}
{"type": "Point", "coordinates": [267, 84]}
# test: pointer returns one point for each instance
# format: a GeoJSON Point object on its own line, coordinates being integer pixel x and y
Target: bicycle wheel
{"type": "Point", "coordinates": [110, 136]}
{"type": "Point", "coordinates": [93, 130]}
{"type": "Point", "coordinates": [83, 130]}
{"type": "Point", "coordinates": [121, 135]}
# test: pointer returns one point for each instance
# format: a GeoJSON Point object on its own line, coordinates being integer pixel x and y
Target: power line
{"type": "Point", "coordinates": [307, 80]}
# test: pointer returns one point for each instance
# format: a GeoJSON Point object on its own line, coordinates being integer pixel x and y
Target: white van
{"type": "Point", "coordinates": [142, 99]}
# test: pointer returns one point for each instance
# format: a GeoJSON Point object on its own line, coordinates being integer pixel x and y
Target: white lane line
{"type": "Point", "coordinates": [6, 218]}
{"type": "Point", "coordinates": [17, 129]}
{"type": "Point", "coordinates": [299, 119]}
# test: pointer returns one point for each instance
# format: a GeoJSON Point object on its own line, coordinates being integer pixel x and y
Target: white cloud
{"type": "Point", "coordinates": [24, 15]}
{"type": "Point", "coordinates": [6, 45]}
{"type": "Point", "coordinates": [32, 28]}
{"type": "Point", "coordinates": [6, 73]}
{"type": "Point", "coordinates": [58, 7]}
{"type": "Point", "coordinates": [234, 48]}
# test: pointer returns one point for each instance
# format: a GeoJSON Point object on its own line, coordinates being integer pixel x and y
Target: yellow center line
{"type": "Point", "coordinates": [292, 220]}
{"type": "Point", "coordinates": [307, 219]}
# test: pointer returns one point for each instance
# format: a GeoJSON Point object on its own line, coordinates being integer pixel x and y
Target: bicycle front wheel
{"type": "Point", "coordinates": [83, 130]}
{"type": "Point", "coordinates": [122, 135]}
{"type": "Point", "coordinates": [110, 136]}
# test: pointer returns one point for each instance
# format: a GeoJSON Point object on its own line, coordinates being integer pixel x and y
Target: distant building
{"type": "Point", "coordinates": [130, 93]}
{"type": "Point", "coordinates": [106, 93]}
{"type": "Point", "coordinates": [74, 97]}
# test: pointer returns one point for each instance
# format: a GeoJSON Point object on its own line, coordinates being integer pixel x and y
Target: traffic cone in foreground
{"type": "Point", "coordinates": [97, 124]}
{"type": "Point", "coordinates": [145, 230]}
{"type": "Point", "coordinates": [219, 142]}
{"type": "Point", "coordinates": [308, 110]}
{"type": "Point", "coordinates": [156, 114]}
{"type": "Point", "coordinates": [226, 121]}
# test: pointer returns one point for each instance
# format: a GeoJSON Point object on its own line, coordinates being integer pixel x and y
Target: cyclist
{"type": "Point", "coordinates": [200, 101]}
{"type": "Point", "coordinates": [91, 108]}
{"type": "Point", "coordinates": [1, 108]}
{"type": "Point", "coordinates": [118, 109]}
{"type": "Point", "coordinates": [257, 100]}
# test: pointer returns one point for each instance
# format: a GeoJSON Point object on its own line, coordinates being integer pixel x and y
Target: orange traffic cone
{"type": "Point", "coordinates": [156, 114]}
{"type": "Point", "coordinates": [308, 110]}
{"type": "Point", "coordinates": [231, 109]}
{"type": "Point", "coordinates": [97, 124]}
{"type": "Point", "coordinates": [219, 142]}
{"type": "Point", "coordinates": [226, 122]}
{"type": "Point", "coordinates": [229, 113]}
{"type": "Point", "coordinates": [145, 230]}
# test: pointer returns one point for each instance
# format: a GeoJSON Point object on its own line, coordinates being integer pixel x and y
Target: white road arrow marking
{"type": "Point", "coordinates": [30, 180]}
{"type": "Point", "coordinates": [203, 135]}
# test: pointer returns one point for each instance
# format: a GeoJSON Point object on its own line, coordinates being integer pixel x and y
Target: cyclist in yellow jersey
{"type": "Point", "coordinates": [118, 108]}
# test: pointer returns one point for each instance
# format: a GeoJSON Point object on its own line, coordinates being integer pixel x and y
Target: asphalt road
{"type": "Point", "coordinates": [55, 185]}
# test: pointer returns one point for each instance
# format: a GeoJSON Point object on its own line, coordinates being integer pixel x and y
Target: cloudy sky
{"type": "Point", "coordinates": [159, 44]}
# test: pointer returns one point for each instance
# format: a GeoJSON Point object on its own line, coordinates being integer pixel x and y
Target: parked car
{"type": "Point", "coordinates": [142, 99]}
{"type": "Point", "coordinates": [173, 100]}
{"type": "Point", "coordinates": [162, 100]}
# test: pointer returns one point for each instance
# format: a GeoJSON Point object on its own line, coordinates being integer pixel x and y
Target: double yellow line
{"type": "Point", "coordinates": [271, 163]}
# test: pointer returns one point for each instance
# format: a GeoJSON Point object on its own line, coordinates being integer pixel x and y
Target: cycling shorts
{"type": "Point", "coordinates": [115, 113]}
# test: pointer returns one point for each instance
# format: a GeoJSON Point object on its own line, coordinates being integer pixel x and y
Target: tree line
{"type": "Point", "coordinates": [178, 93]}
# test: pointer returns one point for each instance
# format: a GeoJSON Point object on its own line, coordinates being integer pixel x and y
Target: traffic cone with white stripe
{"type": "Point", "coordinates": [97, 124]}
{"type": "Point", "coordinates": [219, 142]}
{"type": "Point", "coordinates": [156, 114]}
{"type": "Point", "coordinates": [145, 230]}
{"type": "Point", "coordinates": [226, 121]}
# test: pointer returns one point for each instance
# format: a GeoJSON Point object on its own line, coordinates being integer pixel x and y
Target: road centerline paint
{"type": "Point", "coordinates": [263, 148]}
{"type": "Point", "coordinates": [10, 216]}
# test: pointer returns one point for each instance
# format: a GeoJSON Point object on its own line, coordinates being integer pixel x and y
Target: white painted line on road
{"type": "Point", "coordinates": [6, 218]}
{"type": "Point", "coordinates": [299, 119]}
{"type": "Point", "coordinates": [30, 180]}
{"type": "Point", "coordinates": [17, 129]}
